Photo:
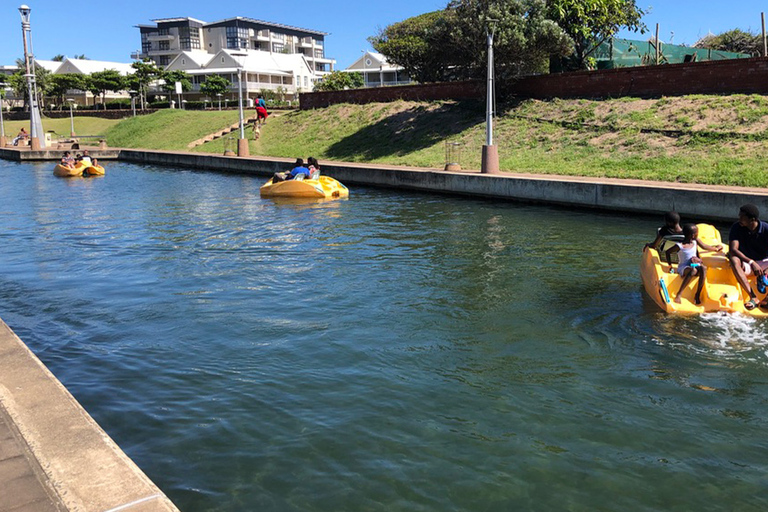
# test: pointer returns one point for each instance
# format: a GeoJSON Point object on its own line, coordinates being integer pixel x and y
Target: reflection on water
{"type": "Point", "coordinates": [386, 352]}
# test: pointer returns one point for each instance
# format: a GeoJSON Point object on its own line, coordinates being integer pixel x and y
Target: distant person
{"type": "Point", "coordinates": [690, 263]}
{"type": "Point", "coordinates": [748, 252]}
{"type": "Point", "coordinates": [86, 158]}
{"type": "Point", "coordinates": [314, 168]}
{"type": "Point", "coordinates": [298, 169]}
{"type": "Point", "coordinates": [23, 135]}
{"type": "Point", "coordinates": [67, 160]}
{"type": "Point", "coordinates": [670, 228]}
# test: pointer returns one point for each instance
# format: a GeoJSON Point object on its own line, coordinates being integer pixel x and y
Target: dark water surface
{"type": "Point", "coordinates": [390, 352]}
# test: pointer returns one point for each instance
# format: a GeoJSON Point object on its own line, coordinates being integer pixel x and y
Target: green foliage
{"type": "Point", "coordinates": [590, 22]}
{"type": "Point", "coordinates": [171, 77]}
{"type": "Point", "coordinates": [340, 80]}
{"type": "Point", "coordinates": [60, 84]}
{"type": "Point", "coordinates": [58, 58]}
{"type": "Point", "coordinates": [421, 45]}
{"type": "Point", "coordinates": [108, 80]}
{"type": "Point", "coordinates": [213, 85]}
{"type": "Point", "coordinates": [735, 40]}
{"type": "Point", "coordinates": [144, 73]}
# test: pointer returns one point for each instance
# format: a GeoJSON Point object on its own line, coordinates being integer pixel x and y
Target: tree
{"type": "Point", "coordinates": [214, 85]}
{"type": "Point", "coordinates": [61, 84]}
{"type": "Point", "coordinates": [81, 57]}
{"type": "Point", "coordinates": [145, 72]}
{"type": "Point", "coordinates": [107, 80]}
{"type": "Point", "coordinates": [171, 77]}
{"type": "Point", "coordinates": [340, 80]}
{"type": "Point", "coordinates": [590, 22]}
{"type": "Point", "coordinates": [735, 40]}
{"type": "Point", "coordinates": [524, 38]}
{"type": "Point", "coordinates": [58, 58]}
{"type": "Point", "coordinates": [421, 45]}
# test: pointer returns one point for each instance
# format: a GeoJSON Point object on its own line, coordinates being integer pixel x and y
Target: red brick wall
{"type": "Point", "coordinates": [710, 77]}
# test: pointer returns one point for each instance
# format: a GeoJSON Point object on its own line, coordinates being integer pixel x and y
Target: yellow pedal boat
{"type": "Point", "coordinates": [94, 170]}
{"type": "Point", "coordinates": [323, 187]}
{"type": "Point", "coordinates": [69, 172]}
{"type": "Point", "coordinates": [721, 291]}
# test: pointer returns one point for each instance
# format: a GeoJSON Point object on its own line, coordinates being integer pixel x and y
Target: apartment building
{"type": "Point", "coordinates": [166, 40]}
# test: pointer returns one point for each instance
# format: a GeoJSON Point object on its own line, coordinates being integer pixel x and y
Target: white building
{"type": "Point", "coordinates": [378, 72]}
{"type": "Point", "coordinates": [276, 55]}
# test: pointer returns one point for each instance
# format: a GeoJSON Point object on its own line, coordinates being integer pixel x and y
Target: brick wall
{"type": "Point", "coordinates": [711, 77]}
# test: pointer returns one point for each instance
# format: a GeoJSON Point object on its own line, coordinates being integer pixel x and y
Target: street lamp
{"type": "Point", "coordinates": [218, 95]}
{"type": "Point", "coordinates": [3, 140]}
{"type": "Point", "coordinates": [242, 142]}
{"type": "Point", "coordinates": [133, 95]}
{"type": "Point", "coordinates": [35, 122]}
{"type": "Point", "coordinates": [71, 117]}
{"type": "Point", "coordinates": [490, 159]}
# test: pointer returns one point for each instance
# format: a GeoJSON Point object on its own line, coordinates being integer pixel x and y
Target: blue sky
{"type": "Point", "coordinates": [104, 30]}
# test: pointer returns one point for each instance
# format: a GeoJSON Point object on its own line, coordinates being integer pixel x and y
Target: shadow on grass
{"type": "Point", "coordinates": [408, 131]}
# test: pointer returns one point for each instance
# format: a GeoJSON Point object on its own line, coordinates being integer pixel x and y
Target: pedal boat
{"type": "Point", "coordinates": [721, 291]}
{"type": "Point", "coordinates": [69, 172]}
{"type": "Point", "coordinates": [323, 187]}
{"type": "Point", "coordinates": [94, 170]}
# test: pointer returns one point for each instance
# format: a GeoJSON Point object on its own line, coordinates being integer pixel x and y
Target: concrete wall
{"type": "Point", "coordinates": [711, 77]}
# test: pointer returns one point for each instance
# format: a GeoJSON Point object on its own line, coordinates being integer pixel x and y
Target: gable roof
{"type": "Point", "coordinates": [372, 61]}
{"type": "Point", "coordinates": [86, 67]}
{"type": "Point", "coordinates": [189, 59]}
{"type": "Point", "coordinates": [50, 65]}
{"type": "Point", "coordinates": [255, 61]}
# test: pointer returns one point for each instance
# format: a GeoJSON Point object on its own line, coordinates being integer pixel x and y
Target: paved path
{"type": "Point", "coordinates": [21, 487]}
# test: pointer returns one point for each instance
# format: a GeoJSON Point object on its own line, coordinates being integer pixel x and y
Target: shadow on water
{"type": "Point", "coordinates": [413, 129]}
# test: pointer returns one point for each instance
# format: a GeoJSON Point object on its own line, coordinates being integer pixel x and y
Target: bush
{"type": "Point", "coordinates": [119, 104]}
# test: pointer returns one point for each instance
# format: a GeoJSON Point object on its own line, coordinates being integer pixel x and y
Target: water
{"type": "Point", "coordinates": [391, 352]}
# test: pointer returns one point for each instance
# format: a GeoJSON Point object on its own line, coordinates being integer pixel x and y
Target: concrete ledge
{"type": "Point", "coordinates": [693, 201]}
{"type": "Point", "coordinates": [80, 463]}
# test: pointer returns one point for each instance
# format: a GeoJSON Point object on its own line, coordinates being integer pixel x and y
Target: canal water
{"type": "Point", "coordinates": [394, 351]}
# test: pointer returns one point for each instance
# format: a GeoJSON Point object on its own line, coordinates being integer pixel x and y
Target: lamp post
{"type": "Point", "coordinates": [490, 158]}
{"type": "Point", "coordinates": [35, 122]}
{"type": "Point", "coordinates": [242, 142]}
{"type": "Point", "coordinates": [71, 117]}
{"type": "Point", "coordinates": [218, 95]}
{"type": "Point", "coordinates": [133, 95]}
{"type": "Point", "coordinates": [3, 140]}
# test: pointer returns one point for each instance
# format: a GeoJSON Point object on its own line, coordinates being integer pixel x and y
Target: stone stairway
{"type": "Point", "coordinates": [220, 133]}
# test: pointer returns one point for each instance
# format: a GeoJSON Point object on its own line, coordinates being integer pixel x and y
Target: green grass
{"type": "Point", "coordinates": [724, 138]}
{"type": "Point", "coordinates": [83, 126]}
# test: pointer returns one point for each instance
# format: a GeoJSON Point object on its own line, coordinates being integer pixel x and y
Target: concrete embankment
{"type": "Point", "coordinates": [53, 455]}
{"type": "Point", "coordinates": [693, 201]}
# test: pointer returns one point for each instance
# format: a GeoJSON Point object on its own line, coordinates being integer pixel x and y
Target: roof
{"type": "Point", "coordinates": [196, 58]}
{"type": "Point", "coordinates": [378, 62]}
{"type": "Point", "coordinates": [87, 67]}
{"type": "Point", "coordinates": [186, 18]}
{"type": "Point", "coordinates": [267, 23]}
{"type": "Point", "coordinates": [49, 65]}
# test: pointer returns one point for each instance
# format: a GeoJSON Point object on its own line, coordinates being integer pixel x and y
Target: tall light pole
{"type": "Point", "coordinates": [3, 140]}
{"type": "Point", "coordinates": [71, 118]}
{"type": "Point", "coordinates": [218, 95]}
{"type": "Point", "coordinates": [35, 122]}
{"type": "Point", "coordinates": [490, 159]}
{"type": "Point", "coordinates": [242, 142]}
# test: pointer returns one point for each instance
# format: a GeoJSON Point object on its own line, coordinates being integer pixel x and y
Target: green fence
{"type": "Point", "coordinates": [622, 53]}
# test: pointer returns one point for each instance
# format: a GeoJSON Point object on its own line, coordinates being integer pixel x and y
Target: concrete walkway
{"type": "Point", "coordinates": [53, 455]}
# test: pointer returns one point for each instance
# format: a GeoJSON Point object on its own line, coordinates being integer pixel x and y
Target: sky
{"type": "Point", "coordinates": [105, 30]}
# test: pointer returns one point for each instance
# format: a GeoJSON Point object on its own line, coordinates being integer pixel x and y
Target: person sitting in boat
{"type": "Point", "coordinates": [314, 168]}
{"type": "Point", "coordinates": [23, 135]}
{"type": "Point", "coordinates": [670, 228]}
{"type": "Point", "coordinates": [298, 169]}
{"type": "Point", "coordinates": [67, 160]}
{"type": "Point", "coordinates": [86, 158]}
{"type": "Point", "coordinates": [748, 252]}
{"type": "Point", "coordinates": [690, 265]}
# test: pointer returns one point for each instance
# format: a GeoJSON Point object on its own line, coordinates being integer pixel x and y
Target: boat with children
{"type": "Point", "coordinates": [79, 169]}
{"type": "Point", "coordinates": [304, 182]}
{"type": "Point", "coordinates": [713, 280]}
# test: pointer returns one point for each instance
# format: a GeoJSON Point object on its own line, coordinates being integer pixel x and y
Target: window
{"type": "Point", "coordinates": [146, 47]}
{"type": "Point", "coordinates": [306, 82]}
{"type": "Point", "coordinates": [189, 38]}
{"type": "Point", "coordinates": [278, 37]}
{"type": "Point", "coordinates": [278, 47]}
{"type": "Point", "coordinates": [162, 31]}
{"type": "Point", "coordinates": [318, 54]}
{"type": "Point", "coordinates": [237, 37]}
{"type": "Point", "coordinates": [164, 45]}
{"type": "Point", "coordinates": [163, 60]}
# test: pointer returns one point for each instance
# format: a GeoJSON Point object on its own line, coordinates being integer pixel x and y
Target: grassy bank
{"type": "Point", "coordinates": [83, 126]}
{"type": "Point", "coordinates": [696, 139]}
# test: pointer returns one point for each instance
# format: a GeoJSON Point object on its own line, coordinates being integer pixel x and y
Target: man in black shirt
{"type": "Point", "coordinates": [748, 254]}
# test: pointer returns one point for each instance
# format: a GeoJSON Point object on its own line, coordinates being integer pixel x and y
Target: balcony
{"type": "Point", "coordinates": [157, 37]}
